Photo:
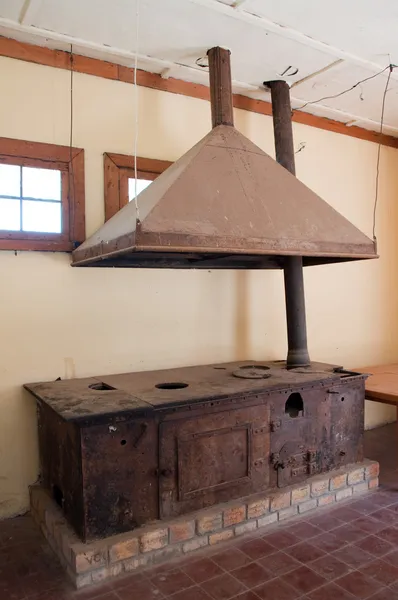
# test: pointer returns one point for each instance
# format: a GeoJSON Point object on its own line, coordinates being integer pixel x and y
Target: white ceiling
{"type": "Point", "coordinates": [334, 45]}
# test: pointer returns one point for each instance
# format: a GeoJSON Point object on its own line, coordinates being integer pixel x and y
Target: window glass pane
{"type": "Point", "coordinates": [141, 185]}
{"type": "Point", "coordinates": [44, 184]}
{"type": "Point", "coordinates": [41, 216]}
{"type": "Point", "coordinates": [9, 214]}
{"type": "Point", "coordinates": [10, 180]}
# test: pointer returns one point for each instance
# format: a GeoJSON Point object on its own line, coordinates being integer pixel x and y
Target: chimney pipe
{"type": "Point", "coordinates": [293, 265]}
{"type": "Point", "coordinates": [220, 86]}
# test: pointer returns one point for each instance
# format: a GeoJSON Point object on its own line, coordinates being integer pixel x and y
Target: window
{"type": "Point", "coordinates": [41, 196]}
{"type": "Point", "coordinates": [119, 179]}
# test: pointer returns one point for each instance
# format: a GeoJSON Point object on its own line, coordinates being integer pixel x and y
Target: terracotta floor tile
{"type": "Point", "coordinates": [192, 593]}
{"type": "Point", "coordinates": [381, 499]}
{"type": "Point", "coordinates": [279, 563]}
{"type": "Point", "coordinates": [277, 589]}
{"type": "Point", "coordinates": [251, 575]}
{"type": "Point", "coordinates": [281, 539]}
{"type": "Point", "coordinates": [369, 524]}
{"type": "Point", "coordinates": [359, 585]}
{"type": "Point", "coordinates": [392, 558]}
{"type": "Point", "coordinates": [231, 559]}
{"type": "Point", "coordinates": [304, 580]}
{"type": "Point", "coordinates": [305, 552]}
{"type": "Point", "coordinates": [202, 569]}
{"type": "Point", "coordinates": [330, 591]}
{"type": "Point", "coordinates": [328, 542]}
{"type": "Point", "coordinates": [385, 515]}
{"type": "Point", "coordinates": [304, 530]}
{"type": "Point", "coordinates": [139, 591]}
{"type": "Point", "coordinates": [325, 522]}
{"type": "Point", "coordinates": [349, 533]}
{"type": "Point", "coordinates": [390, 534]}
{"type": "Point", "coordinates": [171, 582]}
{"type": "Point", "coordinates": [330, 567]}
{"type": "Point", "coordinates": [257, 548]}
{"type": "Point", "coordinates": [345, 513]}
{"type": "Point", "coordinates": [364, 507]}
{"type": "Point", "coordinates": [125, 581]}
{"type": "Point", "coordinates": [223, 587]}
{"type": "Point", "coordinates": [382, 571]}
{"type": "Point", "coordinates": [249, 595]}
{"type": "Point", "coordinates": [375, 545]}
{"type": "Point", "coordinates": [385, 594]}
{"type": "Point", "coordinates": [353, 556]}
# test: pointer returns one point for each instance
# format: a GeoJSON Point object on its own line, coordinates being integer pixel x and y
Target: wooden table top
{"type": "Point", "coordinates": [382, 385]}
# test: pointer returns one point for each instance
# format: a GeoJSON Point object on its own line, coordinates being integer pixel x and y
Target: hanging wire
{"type": "Point", "coordinates": [383, 105]}
{"type": "Point", "coordinates": [137, 18]}
{"type": "Point", "coordinates": [71, 173]}
{"type": "Point", "coordinates": [347, 90]}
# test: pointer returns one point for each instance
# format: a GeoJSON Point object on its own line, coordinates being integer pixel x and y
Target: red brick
{"type": "Point", "coordinates": [325, 500]}
{"type": "Point", "coordinates": [280, 501]}
{"type": "Point", "coordinates": [84, 559]}
{"type": "Point", "coordinates": [300, 494]}
{"type": "Point", "coordinates": [180, 532]}
{"type": "Point", "coordinates": [320, 487]}
{"type": "Point", "coordinates": [235, 515]}
{"type": "Point", "coordinates": [154, 540]}
{"type": "Point", "coordinates": [338, 482]}
{"type": "Point", "coordinates": [208, 523]}
{"type": "Point", "coordinates": [356, 476]}
{"type": "Point", "coordinates": [374, 483]}
{"type": "Point", "coordinates": [222, 536]}
{"type": "Point", "coordinates": [372, 470]}
{"type": "Point", "coordinates": [123, 549]}
{"type": "Point", "coordinates": [343, 494]}
{"type": "Point", "coordinates": [257, 509]}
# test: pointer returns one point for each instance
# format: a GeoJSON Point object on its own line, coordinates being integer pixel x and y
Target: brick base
{"type": "Point", "coordinates": [100, 560]}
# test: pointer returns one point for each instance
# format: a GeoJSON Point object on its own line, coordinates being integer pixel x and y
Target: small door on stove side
{"type": "Point", "coordinates": [212, 458]}
{"type": "Point", "coordinates": [295, 434]}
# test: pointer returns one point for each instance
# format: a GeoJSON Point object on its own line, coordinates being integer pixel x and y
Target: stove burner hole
{"type": "Point", "coordinates": [294, 405]}
{"type": "Point", "coordinates": [172, 385]}
{"type": "Point", "coordinates": [58, 496]}
{"type": "Point", "coordinates": [100, 386]}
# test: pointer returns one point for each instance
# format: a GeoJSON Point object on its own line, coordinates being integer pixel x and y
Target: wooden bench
{"type": "Point", "coordinates": [382, 385]}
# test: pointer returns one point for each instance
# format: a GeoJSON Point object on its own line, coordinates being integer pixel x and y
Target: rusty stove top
{"type": "Point", "coordinates": [100, 398]}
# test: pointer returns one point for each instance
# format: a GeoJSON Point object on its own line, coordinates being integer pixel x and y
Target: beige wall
{"type": "Point", "coordinates": [58, 321]}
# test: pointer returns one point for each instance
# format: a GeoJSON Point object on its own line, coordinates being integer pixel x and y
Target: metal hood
{"type": "Point", "coordinates": [224, 204]}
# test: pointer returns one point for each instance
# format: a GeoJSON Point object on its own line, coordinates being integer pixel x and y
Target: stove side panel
{"type": "Point", "coordinates": [60, 464]}
{"type": "Point", "coordinates": [120, 476]}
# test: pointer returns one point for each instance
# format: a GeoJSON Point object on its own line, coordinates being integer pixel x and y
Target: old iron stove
{"type": "Point", "coordinates": [121, 450]}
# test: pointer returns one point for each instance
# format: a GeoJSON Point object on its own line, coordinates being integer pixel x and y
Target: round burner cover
{"type": "Point", "coordinates": [252, 372]}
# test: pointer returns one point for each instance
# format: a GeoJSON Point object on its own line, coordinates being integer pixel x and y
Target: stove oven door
{"type": "Point", "coordinates": [212, 457]}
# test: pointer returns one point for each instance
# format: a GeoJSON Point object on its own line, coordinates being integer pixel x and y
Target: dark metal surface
{"type": "Point", "coordinates": [225, 204]}
{"type": "Point", "coordinates": [293, 266]}
{"type": "Point", "coordinates": [172, 449]}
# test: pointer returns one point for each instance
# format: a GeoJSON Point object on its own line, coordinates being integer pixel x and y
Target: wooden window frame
{"type": "Point", "coordinates": [70, 161]}
{"type": "Point", "coordinates": [118, 168]}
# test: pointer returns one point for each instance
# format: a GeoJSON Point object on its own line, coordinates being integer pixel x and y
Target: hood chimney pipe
{"type": "Point", "coordinates": [220, 87]}
{"type": "Point", "coordinates": [293, 265]}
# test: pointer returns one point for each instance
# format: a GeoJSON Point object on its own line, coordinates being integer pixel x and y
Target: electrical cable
{"type": "Point", "coordinates": [345, 91]}
{"type": "Point", "coordinates": [137, 16]}
{"type": "Point", "coordinates": [383, 105]}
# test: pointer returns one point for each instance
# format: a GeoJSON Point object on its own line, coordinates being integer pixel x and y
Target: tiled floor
{"type": "Point", "coordinates": [350, 552]}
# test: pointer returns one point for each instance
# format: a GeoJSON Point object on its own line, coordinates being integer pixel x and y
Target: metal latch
{"type": "Point", "coordinates": [275, 425]}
